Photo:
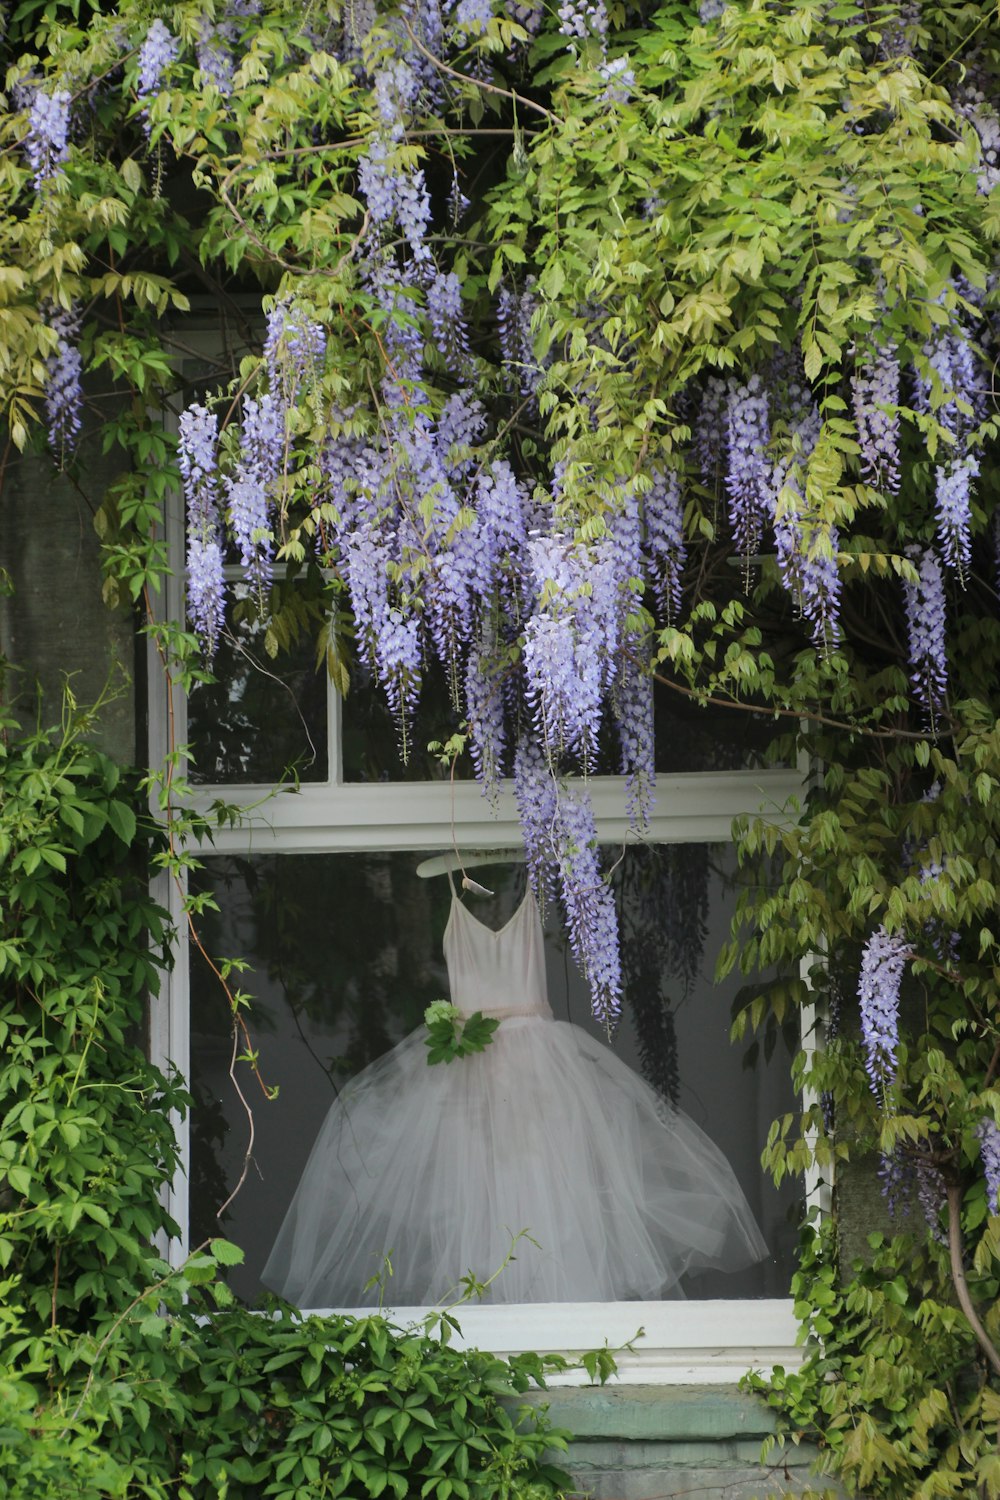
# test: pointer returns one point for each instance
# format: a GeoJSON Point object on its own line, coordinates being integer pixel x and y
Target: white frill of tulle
{"type": "Point", "coordinates": [436, 1168]}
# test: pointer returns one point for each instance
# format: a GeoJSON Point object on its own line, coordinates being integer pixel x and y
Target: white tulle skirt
{"type": "Point", "coordinates": [435, 1168]}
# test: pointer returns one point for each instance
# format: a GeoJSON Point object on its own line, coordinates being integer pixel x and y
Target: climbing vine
{"type": "Point", "coordinates": [567, 355]}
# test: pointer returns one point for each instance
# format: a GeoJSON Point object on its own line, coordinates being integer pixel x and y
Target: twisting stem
{"type": "Point", "coordinates": [958, 1275]}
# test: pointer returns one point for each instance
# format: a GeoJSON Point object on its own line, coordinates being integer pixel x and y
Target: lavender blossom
{"type": "Point", "coordinates": [952, 380]}
{"type": "Point", "coordinates": [199, 471]}
{"type": "Point", "coordinates": [413, 211]}
{"type": "Point", "coordinates": [63, 388]}
{"type": "Point", "coordinates": [633, 703]}
{"type": "Point", "coordinates": [366, 557]}
{"type": "Point", "coordinates": [537, 804]}
{"type": "Point", "coordinates": [710, 10]}
{"type": "Point", "coordinates": [399, 660]}
{"type": "Point", "coordinates": [158, 52]}
{"type": "Point", "coordinates": [589, 904]}
{"type": "Point", "coordinates": [875, 388]}
{"type": "Point", "coordinates": [444, 307]}
{"type": "Point", "coordinates": [473, 16]}
{"type": "Point", "coordinates": [882, 965]}
{"type": "Point", "coordinates": [925, 617]}
{"type": "Point", "coordinates": [807, 544]}
{"type": "Point", "coordinates": [749, 479]}
{"type": "Point", "coordinates": [566, 645]}
{"type": "Point", "coordinates": [619, 80]}
{"type": "Point", "coordinates": [710, 433]}
{"type": "Point", "coordinates": [47, 141]}
{"type": "Point", "coordinates": [515, 311]}
{"type": "Point", "coordinates": [248, 491]}
{"type": "Point", "coordinates": [973, 104]}
{"type": "Point", "coordinates": [666, 549]}
{"type": "Point", "coordinates": [377, 181]}
{"type": "Point", "coordinates": [988, 1132]}
{"type": "Point", "coordinates": [213, 51]}
{"type": "Point", "coordinates": [396, 87]}
{"type": "Point", "coordinates": [931, 1197]}
{"type": "Point", "coordinates": [294, 351]}
{"type": "Point", "coordinates": [484, 712]}
{"type": "Point", "coordinates": [953, 504]}
{"type": "Point", "coordinates": [583, 18]}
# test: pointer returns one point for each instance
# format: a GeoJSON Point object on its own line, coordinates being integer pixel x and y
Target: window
{"type": "Point", "coordinates": [291, 884]}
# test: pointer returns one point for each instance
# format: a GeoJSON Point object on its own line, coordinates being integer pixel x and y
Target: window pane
{"type": "Point", "coordinates": [688, 737]}
{"type": "Point", "coordinates": [263, 719]}
{"type": "Point", "coordinates": [347, 953]}
{"type": "Point", "coordinates": [370, 737]}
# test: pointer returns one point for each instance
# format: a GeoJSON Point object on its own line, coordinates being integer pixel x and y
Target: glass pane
{"type": "Point", "coordinates": [688, 736]}
{"type": "Point", "coordinates": [347, 953]}
{"type": "Point", "coordinates": [370, 738]}
{"type": "Point", "coordinates": [263, 720]}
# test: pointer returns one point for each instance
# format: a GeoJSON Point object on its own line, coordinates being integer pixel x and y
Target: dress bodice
{"type": "Point", "coordinates": [501, 973]}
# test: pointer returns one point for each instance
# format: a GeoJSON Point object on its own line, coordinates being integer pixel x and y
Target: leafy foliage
{"type": "Point", "coordinates": [725, 291]}
{"type": "Point", "coordinates": [122, 1377]}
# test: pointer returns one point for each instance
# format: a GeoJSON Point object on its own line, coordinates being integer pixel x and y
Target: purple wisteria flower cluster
{"type": "Point", "coordinates": [63, 387]}
{"type": "Point", "coordinates": [875, 391]}
{"type": "Point", "coordinates": [198, 458]}
{"type": "Point", "coordinates": [47, 140]}
{"type": "Point", "coordinates": [882, 965]}
{"type": "Point", "coordinates": [159, 51]}
{"type": "Point", "coordinates": [988, 1132]}
{"type": "Point", "coordinates": [748, 481]}
{"type": "Point", "coordinates": [926, 629]}
{"type": "Point", "coordinates": [949, 387]}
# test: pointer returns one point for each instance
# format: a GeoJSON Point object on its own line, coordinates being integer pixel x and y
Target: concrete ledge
{"type": "Point", "coordinates": [673, 1443]}
{"type": "Point", "coordinates": [662, 1413]}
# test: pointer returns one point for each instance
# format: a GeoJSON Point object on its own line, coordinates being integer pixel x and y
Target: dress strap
{"type": "Point", "coordinates": [451, 882]}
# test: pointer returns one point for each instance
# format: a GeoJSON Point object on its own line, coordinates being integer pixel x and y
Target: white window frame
{"type": "Point", "coordinates": [694, 1342]}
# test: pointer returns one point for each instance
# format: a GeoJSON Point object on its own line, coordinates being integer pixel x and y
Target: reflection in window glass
{"type": "Point", "coordinates": [370, 740]}
{"type": "Point", "coordinates": [347, 953]}
{"type": "Point", "coordinates": [688, 737]}
{"type": "Point", "coordinates": [262, 720]}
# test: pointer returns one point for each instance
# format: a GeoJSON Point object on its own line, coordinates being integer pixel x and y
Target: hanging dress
{"type": "Point", "coordinates": [434, 1169]}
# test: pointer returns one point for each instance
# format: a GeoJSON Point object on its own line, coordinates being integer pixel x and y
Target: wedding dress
{"type": "Point", "coordinates": [437, 1167]}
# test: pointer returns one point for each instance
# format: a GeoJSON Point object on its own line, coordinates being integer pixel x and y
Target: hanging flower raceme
{"type": "Point", "coordinates": [248, 491]}
{"type": "Point", "coordinates": [665, 550]}
{"type": "Point", "coordinates": [519, 366]}
{"type": "Point", "coordinates": [537, 805]}
{"type": "Point", "coordinates": [47, 141]}
{"type": "Point", "coordinates": [711, 432]}
{"type": "Point", "coordinates": [925, 620]}
{"type": "Point", "coordinates": [988, 1132]}
{"type": "Point", "coordinates": [748, 481]}
{"type": "Point", "coordinates": [198, 460]}
{"type": "Point", "coordinates": [588, 902]}
{"type": "Point", "coordinates": [633, 704]}
{"type": "Point", "coordinates": [949, 389]}
{"type": "Point", "coordinates": [565, 644]}
{"type": "Point", "coordinates": [484, 713]}
{"type": "Point", "coordinates": [882, 965]}
{"type": "Point", "coordinates": [294, 351]}
{"type": "Point", "coordinates": [159, 51]}
{"type": "Point", "coordinates": [875, 391]}
{"type": "Point", "coordinates": [63, 389]}
{"type": "Point", "coordinates": [807, 547]}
